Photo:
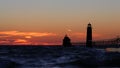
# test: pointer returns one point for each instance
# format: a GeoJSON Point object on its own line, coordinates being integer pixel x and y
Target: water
{"type": "Point", "coordinates": [113, 50]}
{"type": "Point", "coordinates": [56, 57]}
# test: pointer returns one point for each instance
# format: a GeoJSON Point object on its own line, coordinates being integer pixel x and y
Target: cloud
{"type": "Point", "coordinates": [28, 37]}
{"type": "Point", "coordinates": [20, 41]}
{"type": "Point", "coordinates": [26, 34]}
{"type": "Point", "coordinates": [17, 37]}
{"type": "Point", "coordinates": [2, 41]}
{"type": "Point", "coordinates": [45, 38]}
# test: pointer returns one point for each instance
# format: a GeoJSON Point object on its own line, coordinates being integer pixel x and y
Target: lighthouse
{"type": "Point", "coordinates": [67, 41]}
{"type": "Point", "coordinates": [89, 36]}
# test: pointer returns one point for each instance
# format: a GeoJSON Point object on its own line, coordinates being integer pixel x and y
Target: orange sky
{"type": "Point", "coordinates": [37, 38]}
{"type": "Point", "coordinates": [47, 21]}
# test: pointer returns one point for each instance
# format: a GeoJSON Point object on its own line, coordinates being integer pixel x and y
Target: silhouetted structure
{"type": "Point", "coordinates": [105, 43]}
{"type": "Point", "coordinates": [89, 36]}
{"type": "Point", "coordinates": [66, 41]}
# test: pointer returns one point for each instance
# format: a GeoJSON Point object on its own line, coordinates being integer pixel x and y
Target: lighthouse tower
{"type": "Point", "coordinates": [89, 36]}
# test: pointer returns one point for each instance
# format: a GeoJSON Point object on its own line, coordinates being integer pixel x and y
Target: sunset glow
{"type": "Point", "coordinates": [36, 38]}
{"type": "Point", "coordinates": [28, 37]}
{"type": "Point", "coordinates": [17, 37]}
{"type": "Point", "coordinates": [27, 34]}
{"type": "Point", "coordinates": [44, 22]}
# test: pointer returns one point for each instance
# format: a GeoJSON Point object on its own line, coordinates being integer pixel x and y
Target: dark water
{"type": "Point", "coordinates": [56, 57]}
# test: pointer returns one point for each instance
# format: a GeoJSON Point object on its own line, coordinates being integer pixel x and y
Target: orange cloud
{"type": "Point", "coordinates": [26, 34]}
{"type": "Point", "coordinates": [17, 37]}
{"type": "Point", "coordinates": [28, 37]}
{"type": "Point", "coordinates": [38, 38]}
{"type": "Point", "coordinates": [3, 41]}
{"type": "Point", "coordinates": [20, 41]}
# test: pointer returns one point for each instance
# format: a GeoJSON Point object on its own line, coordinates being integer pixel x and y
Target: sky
{"type": "Point", "coordinates": [46, 22]}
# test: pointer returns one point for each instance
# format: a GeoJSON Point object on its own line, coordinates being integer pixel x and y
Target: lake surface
{"type": "Point", "coordinates": [57, 57]}
{"type": "Point", "coordinates": [113, 50]}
